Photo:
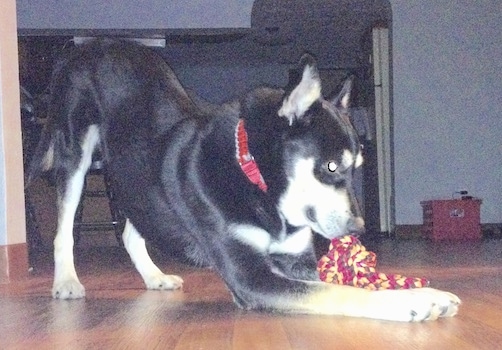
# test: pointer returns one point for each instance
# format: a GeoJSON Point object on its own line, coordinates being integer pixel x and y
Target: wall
{"type": "Point", "coordinates": [447, 83]}
{"type": "Point", "coordinates": [117, 14]}
{"type": "Point", "coordinates": [12, 227]}
{"type": "Point", "coordinates": [447, 104]}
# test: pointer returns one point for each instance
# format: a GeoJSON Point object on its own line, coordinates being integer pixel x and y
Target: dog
{"type": "Point", "coordinates": [240, 187]}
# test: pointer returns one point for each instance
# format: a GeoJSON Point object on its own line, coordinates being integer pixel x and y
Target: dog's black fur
{"type": "Point", "coordinates": [176, 178]}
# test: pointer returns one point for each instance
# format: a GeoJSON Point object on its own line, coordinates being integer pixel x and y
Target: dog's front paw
{"type": "Point", "coordinates": [162, 282]}
{"type": "Point", "coordinates": [68, 289]}
{"type": "Point", "coordinates": [415, 305]}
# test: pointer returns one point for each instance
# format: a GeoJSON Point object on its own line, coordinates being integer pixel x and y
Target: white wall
{"type": "Point", "coordinates": [447, 103]}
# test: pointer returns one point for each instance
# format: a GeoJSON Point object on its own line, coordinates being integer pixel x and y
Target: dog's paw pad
{"type": "Point", "coordinates": [69, 289]}
{"type": "Point", "coordinates": [448, 304]}
{"type": "Point", "coordinates": [415, 305]}
{"type": "Point", "coordinates": [163, 282]}
{"type": "Point", "coordinates": [433, 304]}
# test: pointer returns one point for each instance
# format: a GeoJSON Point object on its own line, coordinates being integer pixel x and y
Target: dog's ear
{"type": "Point", "coordinates": [304, 93]}
{"type": "Point", "coordinates": [342, 100]}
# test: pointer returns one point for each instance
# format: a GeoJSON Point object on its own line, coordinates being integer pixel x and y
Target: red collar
{"type": "Point", "coordinates": [245, 159]}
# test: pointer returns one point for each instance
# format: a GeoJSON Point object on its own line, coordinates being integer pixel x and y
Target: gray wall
{"type": "Point", "coordinates": [447, 86]}
{"type": "Point", "coordinates": [92, 14]}
{"type": "Point", "coordinates": [447, 104]}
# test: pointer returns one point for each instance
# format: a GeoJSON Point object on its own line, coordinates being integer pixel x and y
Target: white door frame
{"type": "Point", "coordinates": [383, 124]}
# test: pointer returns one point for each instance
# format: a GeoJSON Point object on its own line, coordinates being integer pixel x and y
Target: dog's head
{"type": "Point", "coordinates": [320, 154]}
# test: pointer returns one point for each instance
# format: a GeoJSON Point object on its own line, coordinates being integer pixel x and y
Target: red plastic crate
{"type": "Point", "coordinates": [454, 219]}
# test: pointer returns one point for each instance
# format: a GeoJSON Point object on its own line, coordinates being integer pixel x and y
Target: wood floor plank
{"type": "Point", "coordinates": [118, 313]}
{"type": "Point", "coordinates": [259, 332]}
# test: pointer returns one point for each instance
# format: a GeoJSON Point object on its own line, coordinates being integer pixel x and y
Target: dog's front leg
{"type": "Point", "coordinates": [153, 277]}
{"type": "Point", "coordinates": [406, 305]}
{"type": "Point", "coordinates": [257, 284]}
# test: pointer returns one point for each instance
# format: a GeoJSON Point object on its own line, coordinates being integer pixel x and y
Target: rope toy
{"type": "Point", "coordinates": [348, 262]}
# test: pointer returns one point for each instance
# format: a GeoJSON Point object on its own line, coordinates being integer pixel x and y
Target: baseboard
{"type": "Point", "coordinates": [493, 230]}
{"type": "Point", "coordinates": [488, 230]}
{"type": "Point", "coordinates": [13, 262]}
{"type": "Point", "coordinates": [408, 231]}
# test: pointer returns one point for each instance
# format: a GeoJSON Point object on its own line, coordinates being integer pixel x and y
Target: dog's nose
{"type": "Point", "coordinates": [356, 225]}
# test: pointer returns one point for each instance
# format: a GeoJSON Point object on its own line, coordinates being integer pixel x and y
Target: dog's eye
{"type": "Point", "coordinates": [332, 166]}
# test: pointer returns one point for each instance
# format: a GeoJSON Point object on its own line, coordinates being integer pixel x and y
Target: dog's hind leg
{"type": "Point", "coordinates": [66, 283]}
{"type": "Point", "coordinates": [153, 277]}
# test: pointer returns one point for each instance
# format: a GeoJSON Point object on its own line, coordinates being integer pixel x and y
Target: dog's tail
{"type": "Point", "coordinates": [59, 147]}
{"type": "Point", "coordinates": [43, 158]}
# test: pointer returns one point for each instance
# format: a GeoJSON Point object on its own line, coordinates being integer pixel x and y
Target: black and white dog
{"type": "Point", "coordinates": [239, 187]}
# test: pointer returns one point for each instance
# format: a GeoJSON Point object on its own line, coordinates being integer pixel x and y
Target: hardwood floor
{"type": "Point", "coordinates": [119, 314]}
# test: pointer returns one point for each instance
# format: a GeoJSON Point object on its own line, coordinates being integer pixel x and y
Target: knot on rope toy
{"type": "Point", "coordinates": [348, 262]}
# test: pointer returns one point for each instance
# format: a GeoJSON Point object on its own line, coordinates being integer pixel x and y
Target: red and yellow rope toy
{"type": "Point", "coordinates": [348, 262]}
